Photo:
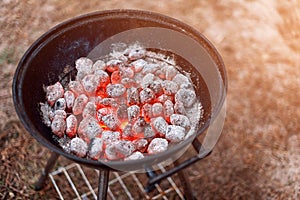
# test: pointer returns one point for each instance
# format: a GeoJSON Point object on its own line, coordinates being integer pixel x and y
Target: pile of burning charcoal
{"type": "Point", "coordinates": [133, 103]}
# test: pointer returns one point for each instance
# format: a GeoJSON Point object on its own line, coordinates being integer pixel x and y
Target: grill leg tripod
{"type": "Point", "coordinates": [153, 178]}
{"type": "Point", "coordinates": [102, 184]}
{"type": "Point", "coordinates": [49, 166]}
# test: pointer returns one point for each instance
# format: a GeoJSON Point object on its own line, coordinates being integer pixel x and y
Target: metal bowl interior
{"type": "Point", "coordinates": [46, 60]}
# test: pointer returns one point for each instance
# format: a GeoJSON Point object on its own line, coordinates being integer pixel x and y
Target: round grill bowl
{"type": "Point", "coordinates": [46, 60]}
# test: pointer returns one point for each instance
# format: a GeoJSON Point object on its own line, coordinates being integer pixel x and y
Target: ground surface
{"type": "Point", "coordinates": [258, 154]}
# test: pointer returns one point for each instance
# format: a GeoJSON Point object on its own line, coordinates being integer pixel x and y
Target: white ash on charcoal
{"type": "Point", "coordinates": [163, 98]}
{"type": "Point", "coordinates": [64, 143]}
{"type": "Point", "coordinates": [161, 73]}
{"type": "Point", "coordinates": [160, 125]}
{"type": "Point", "coordinates": [60, 113]}
{"type": "Point", "coordinates": [194, 117]}
{"type": "Point", "coordinates": [95, 150]}
{"type": "Point", "coordinates": [186, 96]}
{"type": "Point", "coordinates": [129, 82]}
{"type": "Point", "coordinates": [54, 92]}
{"type": "Point", "coordinates": [90, 83]}
{"type": "Point", "coordinates": [102, 76]}
{"type": "Point", "coordinates": [147, 80]}
{"type": "Point", "coordinates": [135, 52]}
{"type": "Point", "coordinates": [146, 96]}
{"type": "Point", "coordinates": [58, 125]}
{"type": "Point", "coordinates": [60, 104]}
{"type": "Point", "coordinates": [113, 65]}
{"type": "Point", "coordinates": [179, 108]}
{"type": "Point", "coordinates": [79, 104]}
{"type": "Point", "coordinates": [84, 64]}
{"type": "Point", "coordinates": [108, 102]}
{"type": "Point", "coordinates": [89, 128]}
{"type": "Point", "coordinates": [133, 96]}
{"type": "Point", "coordinates": [149, 131]}
{"type": "Point", "coordinates": [138, 77]}
{"type": "Point", "coordinates": [169, 87]}
{"type": "Point", "coordinates": [110, 136]}
{"type": "Point", "coordinates": [95, 100]}
{"type": "Point", "coordinates": [171, 72]}
{"type": "Point", "coordinates": [132, 103]}
{"type": "Point", "coordinates": [167, 72]}
{"type": "Point", "coordinates": [116, 77]}
{"type": "Point", "coordinates": [118, 56]}
{"type": "Point", "coordinates": [126, 72]}
{"type": "Point", "coordinates": [99, 65]}
{"type": "Point", "coordinates": [111, 121]}
{"type": "Point", "coordinates": [80, 76]}
{"type": "Point", "coordinates": [139, 125]}
{"type": "Point", "coordinates": [104, 111]}
{"type": "Point", "coordinates": [175, 133]}
{"type": "Point", "coordinates": [181, 79]}
{"type": "Point", "coordinates": [71, 126]}
{"type": "Point", "coordinates": [46, 111]}
{"type": "Point", "coordinates": [119, 149]}
{"type": "Point", "coordinates": [147, 111]}
{"type": "Point", "coordinates": [69, 98]}
{"type": "Point", "coordinates": [156, 87]}
{"type": "Point", "coordinates": [141, 144]}
{"type": "Point", "coordinates": [186, 86]}
{"type": "Point", "coordinates": [52, 113]}
{"type": "Point", "coordinates": [76, 87]}
{"type": "Point", "coordinates": [133, 112]}
{"type": "Point", "coordinates": [180, 120]}
{"type": "Point", "coordinates": [115, 90]}
{"type": "Point", "coordinates": [89, 109]}
{"type": "Point", "coordinates": [135, 156]}
{"type": "Point", "coordinates": [122, 112]}
{"type": "Point", "coordinates": [157, 110]}
{"type": "Point", "coordinates": [168, 109]}
{"type": "Point", "coordinates": [79, 147]}
{"type": "Point", "coordinates": [150, 68]}
{"type": "Point", "coordinates": [157, 145]}
{"type": "Point", "coordinates": [127, 131]}
{"type": "Point", "coordinates": [139, 65]}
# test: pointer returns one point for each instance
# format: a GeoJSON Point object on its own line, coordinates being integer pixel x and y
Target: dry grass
{"type": "Point", "coordinates": [258, 154]}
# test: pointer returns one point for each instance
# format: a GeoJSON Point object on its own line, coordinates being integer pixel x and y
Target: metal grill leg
{"type": "Point", "coordinates": [103, 184]}
{"type": "Point", "coordinates": [185, 183]}
{"type": "Point", "coordinates": [49, 166]}
{"type": "Point", "coordinates": [151, 174]}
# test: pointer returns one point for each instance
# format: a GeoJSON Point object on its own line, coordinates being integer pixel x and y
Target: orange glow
{"type": "Point", "coordinates": [101, 92]}
{"type": "Point", "coordinates": [123, 124]}
{"type": "Point", "coordinates": [145, 107]}
{"type": "Point", "coordinates": [116, 77]}
{"type": "Point", "coordinates": [135, 136]}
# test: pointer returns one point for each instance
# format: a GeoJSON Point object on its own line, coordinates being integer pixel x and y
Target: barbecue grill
{"type": "Point", "coordinates": [51, 57]}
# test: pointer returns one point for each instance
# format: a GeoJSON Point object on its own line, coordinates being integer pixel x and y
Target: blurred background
{"type": "Point", "coordinates": [258, 154]}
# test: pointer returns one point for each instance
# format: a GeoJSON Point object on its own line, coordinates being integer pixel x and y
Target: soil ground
{"type": "Point", "coordinates": [258, 154]}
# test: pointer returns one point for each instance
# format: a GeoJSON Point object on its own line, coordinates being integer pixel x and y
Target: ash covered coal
{"type": "Point", "coordinates": [131, 104]}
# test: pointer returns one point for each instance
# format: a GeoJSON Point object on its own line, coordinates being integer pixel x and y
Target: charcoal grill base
{"type": "Point", "coordinates": [154, 178]}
